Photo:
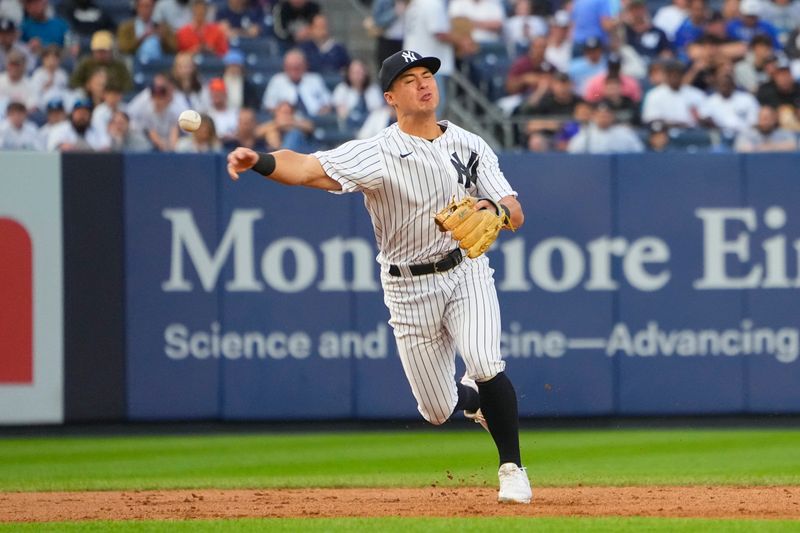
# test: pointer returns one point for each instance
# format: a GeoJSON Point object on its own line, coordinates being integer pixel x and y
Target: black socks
{"type": "Point", "coordinates": [499, 406]}
{"type": "Point", "coordinates": [468, 399]}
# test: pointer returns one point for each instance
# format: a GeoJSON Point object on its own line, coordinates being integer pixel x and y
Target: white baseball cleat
{"type": "Point", "coordinates": [514, 484]}
{"type": "Point", "coordinates": [476, 416]}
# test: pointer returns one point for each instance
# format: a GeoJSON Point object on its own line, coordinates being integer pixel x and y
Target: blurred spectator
{"type": "Point", "coordinates": [77, 133]}
{"type": "Point", "coordinates": [246, 132]}
{"type": "Point", "coordinates": [111, 103]}
{"type": "Point", "coordinates": [203, 140]}
{"type": "Point", "coordinates": [124, 139]}
{"type": "Point", "coordinates": [225, 117]}
{"type": "Point", "coordinates": [303, 89]}
{"type": "Point", "coordinates": [240, 18]}
{"type": "Point", "coordinates": [594, 86]}
{"type": "Point", "coordinates": [522, 27]}
{"type": "Point", "coordinates": [781, 89]}
{"type": "Point", "coordinates": [673, 102]}
{"type": "Point", "coordinates": [188, 90]}
{"type": "Point", "coordinates": [751, 71]}
{"type": "Point", "coordinates": [748, 25]}
{"type": "Point", "coordinates": [670, 17]}
{"type": "Point", "coordinates": [15, 86]}
{"type": "Point", "coordinates": [648, 41]}
{"type": "Point", "coordinates": [155, 116]}
{"type": "Point", "coordinates": [323, 53]}
{"type": "Point", "coordinates": [377, 120]}
{"type": "Point", "coordinates": [581, 116]}
{"type": "Point", "coordinates": [16, 131]}
{"type": "Point", "coordinates": [356, 96]}
{"type": "Point", "coordinates": [730, 110]}
{"type": "Point", "coordinates": [766, 136]}
{"type": "Point", "coordinates": [593, 19]}
{"type": "Point", "coordinates": [143, 37]}
{"type": "Point", "coordinates": [102, 56]}
{"type": "Point", "coordinates": [428, 32]}
{"type": "Point", "coordinates": [623, 107]}
{"type": "Point", "coordinates": [9, 40]}
{"type": "Point", "coordinates": [486, 18]}
{"type": "Point", "coordinates": [241, 91]}
{"type": "Point", "coordinates": [12, 10]}
{"type": "Point", "coordinates": [552, 108]}
{"type": "Point", "coordinates": [526, 75]}
{"type": "Point", "coordinates": [49, 81]}
{"type": "Point", "coordinates": [55, 116]}
{"type": "Point", "coordinates": [658, 137]}
{"type": "Point", "coordinates": [95, 87]}
{"type": "Point", "coordinates": [559, 42]}
{"type": "Point", "coordinates": [538, 143]}
{"type": "Point", "coordinates": [291, 19]}
{"type": "Point", "coordinates": [39, 28]}
{"type": "Point", "coordinates": [693, 27]}
{"type": "Point", "coordinates": [784, 15]}
{"type": "Point", "coordinates": [714, 48]}
{"type": "Point", "coordinates": [140, 104]}
{"type": "Point", "coordinates": [386, 25]}
{"type": "Point", "coordinates": [288, 130]}
{"type": "Point", "coordinates": [175, 13]}
{"type": "Point", "coordinates": [602, 136]}
{"type": "Point", "coordinates": [200, 35]}
{"type": "Point", "coordinates": [85, 17]}
{"type": "Point", "coordinates": [590, 64]}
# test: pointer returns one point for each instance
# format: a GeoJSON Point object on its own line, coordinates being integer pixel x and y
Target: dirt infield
{"type": "Point", "coordinates": [685, 502]}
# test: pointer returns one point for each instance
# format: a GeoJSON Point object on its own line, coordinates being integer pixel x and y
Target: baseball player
{"type": "Point", "coordinates": [437, 283]}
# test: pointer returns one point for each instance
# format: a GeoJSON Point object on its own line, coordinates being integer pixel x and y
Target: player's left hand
{"type": "Point", "coordinates": [239, 160]}
{"type": "Point", "coordinates": [474, 227]}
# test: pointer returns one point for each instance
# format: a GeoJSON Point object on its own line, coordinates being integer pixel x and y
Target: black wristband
{"type": "Point", "coordinates": [506, 210]}
{"type": "Point", "coordinates": [265, 164]}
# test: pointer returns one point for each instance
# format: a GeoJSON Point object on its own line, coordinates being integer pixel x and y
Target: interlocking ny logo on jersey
{"type": "Point", "coordinates": [16, 303]}
{"type": "Point", "coordinates": [468, 175]}
{"type": "Point", "coordinates": [409, 56]}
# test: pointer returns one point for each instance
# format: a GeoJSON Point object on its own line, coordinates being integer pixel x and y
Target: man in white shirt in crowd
{"type": "Point", "coordinates": [673, 102]}
{"type": "Point", "coordinates": [766, 136]}
{"type": "Point", "coordinates": [16, 131]}
{"type": "Point", "coordinates": [670, 17]}
{"type": "Point", "coordinates": [486, 17]}
{"type": "Point", "coordinates": [427, 31]}
{"type": "Point", "coordinates": [155, 115]}
{"type": "Point", "coordinates": [77, 133]}
{"type": "Point", "coordinates": [305, 91]}
{"type": "Point", "coordinates": [9, 40]}
{"type": "Point", "coordinates": [15, 85]}
{"type": "Point", "coordinates": [730, 110]}
{"type": "Point", "coordinates": [559, 41]}
{"type": "Point", "coordinates": [226, 117]}
{"type": "Point", "coordinates": [55, 115]}
{"type": "Point", "coordinates": [602, 136]}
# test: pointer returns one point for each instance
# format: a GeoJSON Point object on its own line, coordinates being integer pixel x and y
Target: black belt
{"type": "Point", "coordinates": [450, 261]}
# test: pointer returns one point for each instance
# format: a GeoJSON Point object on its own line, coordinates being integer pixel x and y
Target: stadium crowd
{"type": "Point", "coordinates": [582, 76]}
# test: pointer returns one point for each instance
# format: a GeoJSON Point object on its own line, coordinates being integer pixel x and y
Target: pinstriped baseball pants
{"type": "Point", "coordinates": [433, 316]}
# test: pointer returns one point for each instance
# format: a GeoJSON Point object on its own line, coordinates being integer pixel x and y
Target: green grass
{"type": "Point", "coordinates": [409, 458]}
{"type": "Point", "coordinates": [444, 525]}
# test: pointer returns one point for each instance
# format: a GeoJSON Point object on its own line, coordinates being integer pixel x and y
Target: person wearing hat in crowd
{"type": "Point", "coordinates": [122, 137]}
{"type": "Point", "coordinates": [767, 135]}
{"type": "Point", "coordinates": [588, 65]}
{"type": "Point", "coordinates": [241, 91]}
{"type": "Point", "coordinates": [54, 115]}
{"type": "Point", "coordinates": [15, 85]}
{"type": "Point", "coordinates": [624, 108]}
{"type": "Point", "coordinates": [603, 136]}
{"type": "Point", "coordinates": [559, 41]}
{"type": "Point", "coordinates": [143, 37]}
{"type": "Point", "coordinates": [16, 131]}
{"type": "Point", "coordinates": [437, 298]}
{"type": "Point", "coordinates": [640, 34]}
{"type": "Point", "coordinates": [240, 18]}
{"type": "Point", "coordinates": [102, 56]}
{"type": "Point", "coordinates": [782, 93]}
{"type": "Point", "coordinates": [306, 91]}
{"type": "Point", "coordinates": [673, 102]}
{"type": "Point", "coordinates": [749, 24]}
{"type": "Point", "coordinates": [323, 53]}
{"type": "Point", "coordinates": [77, 133]}
{"type": "Point", "coordinates": [225, 117]}
{"type": "Point", "coordinates": [49, 81]}
{"type": "Point", "coordinates": [200, 35]}
{"type": "Point", "coordinates": [9, 40]}
{"type": "Point", "coordinates": [39, 28]}
{"type": "Point", "coordinates": [85, 17]}
{"type": "Point", "coordinates": [593, 89]}
{"type": "Point", "coordinates": [752, 71]}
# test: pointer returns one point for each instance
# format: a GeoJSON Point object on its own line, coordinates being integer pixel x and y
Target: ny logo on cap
{"type": "Point", "coordinates": [409, 56]}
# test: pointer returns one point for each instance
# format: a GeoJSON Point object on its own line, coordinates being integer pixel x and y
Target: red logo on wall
{"type": "Point", "coordinates": [16, 303]}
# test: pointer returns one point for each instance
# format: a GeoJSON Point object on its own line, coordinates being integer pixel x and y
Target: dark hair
{"type": "Point", "coordinates": [367, 77]}
{"type": "Point", "coordinates": [760, 38]}
{"type": "Point", "coordinates": [16, 106]}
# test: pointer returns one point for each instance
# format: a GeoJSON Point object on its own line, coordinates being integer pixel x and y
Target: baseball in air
{"type": "Point", "coordinates": [189, 120]}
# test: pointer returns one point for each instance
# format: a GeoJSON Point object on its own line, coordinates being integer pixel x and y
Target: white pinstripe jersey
{"type": "Point", "coordinates": [406, 179]}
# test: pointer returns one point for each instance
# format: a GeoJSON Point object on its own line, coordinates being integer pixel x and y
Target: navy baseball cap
{"type": "Point", "coordinates": [399, 62]}
{"type": "Point", "coordinates": [82, 103]}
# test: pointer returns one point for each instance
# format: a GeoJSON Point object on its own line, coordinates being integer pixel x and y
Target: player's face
{"type": "Point", "coordinates": [414, 91]}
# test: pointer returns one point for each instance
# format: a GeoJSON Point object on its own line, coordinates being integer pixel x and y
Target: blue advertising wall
{"type": "Point", "coordinates": [639, 285]}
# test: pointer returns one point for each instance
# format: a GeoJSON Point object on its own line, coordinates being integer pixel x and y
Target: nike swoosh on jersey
{"type": "Point", "coordinates": [403, 156]}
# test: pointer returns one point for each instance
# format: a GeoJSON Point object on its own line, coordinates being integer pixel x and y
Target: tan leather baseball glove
{"type": "Point", "coordinates": [475, 230]}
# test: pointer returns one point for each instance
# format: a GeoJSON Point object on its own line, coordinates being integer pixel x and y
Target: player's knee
{"type": "Point", "coordinates": [489, 371]}
{"type": "Point", "coordinates": [434, 416]}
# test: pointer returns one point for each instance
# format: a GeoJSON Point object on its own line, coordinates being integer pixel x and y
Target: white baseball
{"type": "Point", "coordinates": [189, 120]}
